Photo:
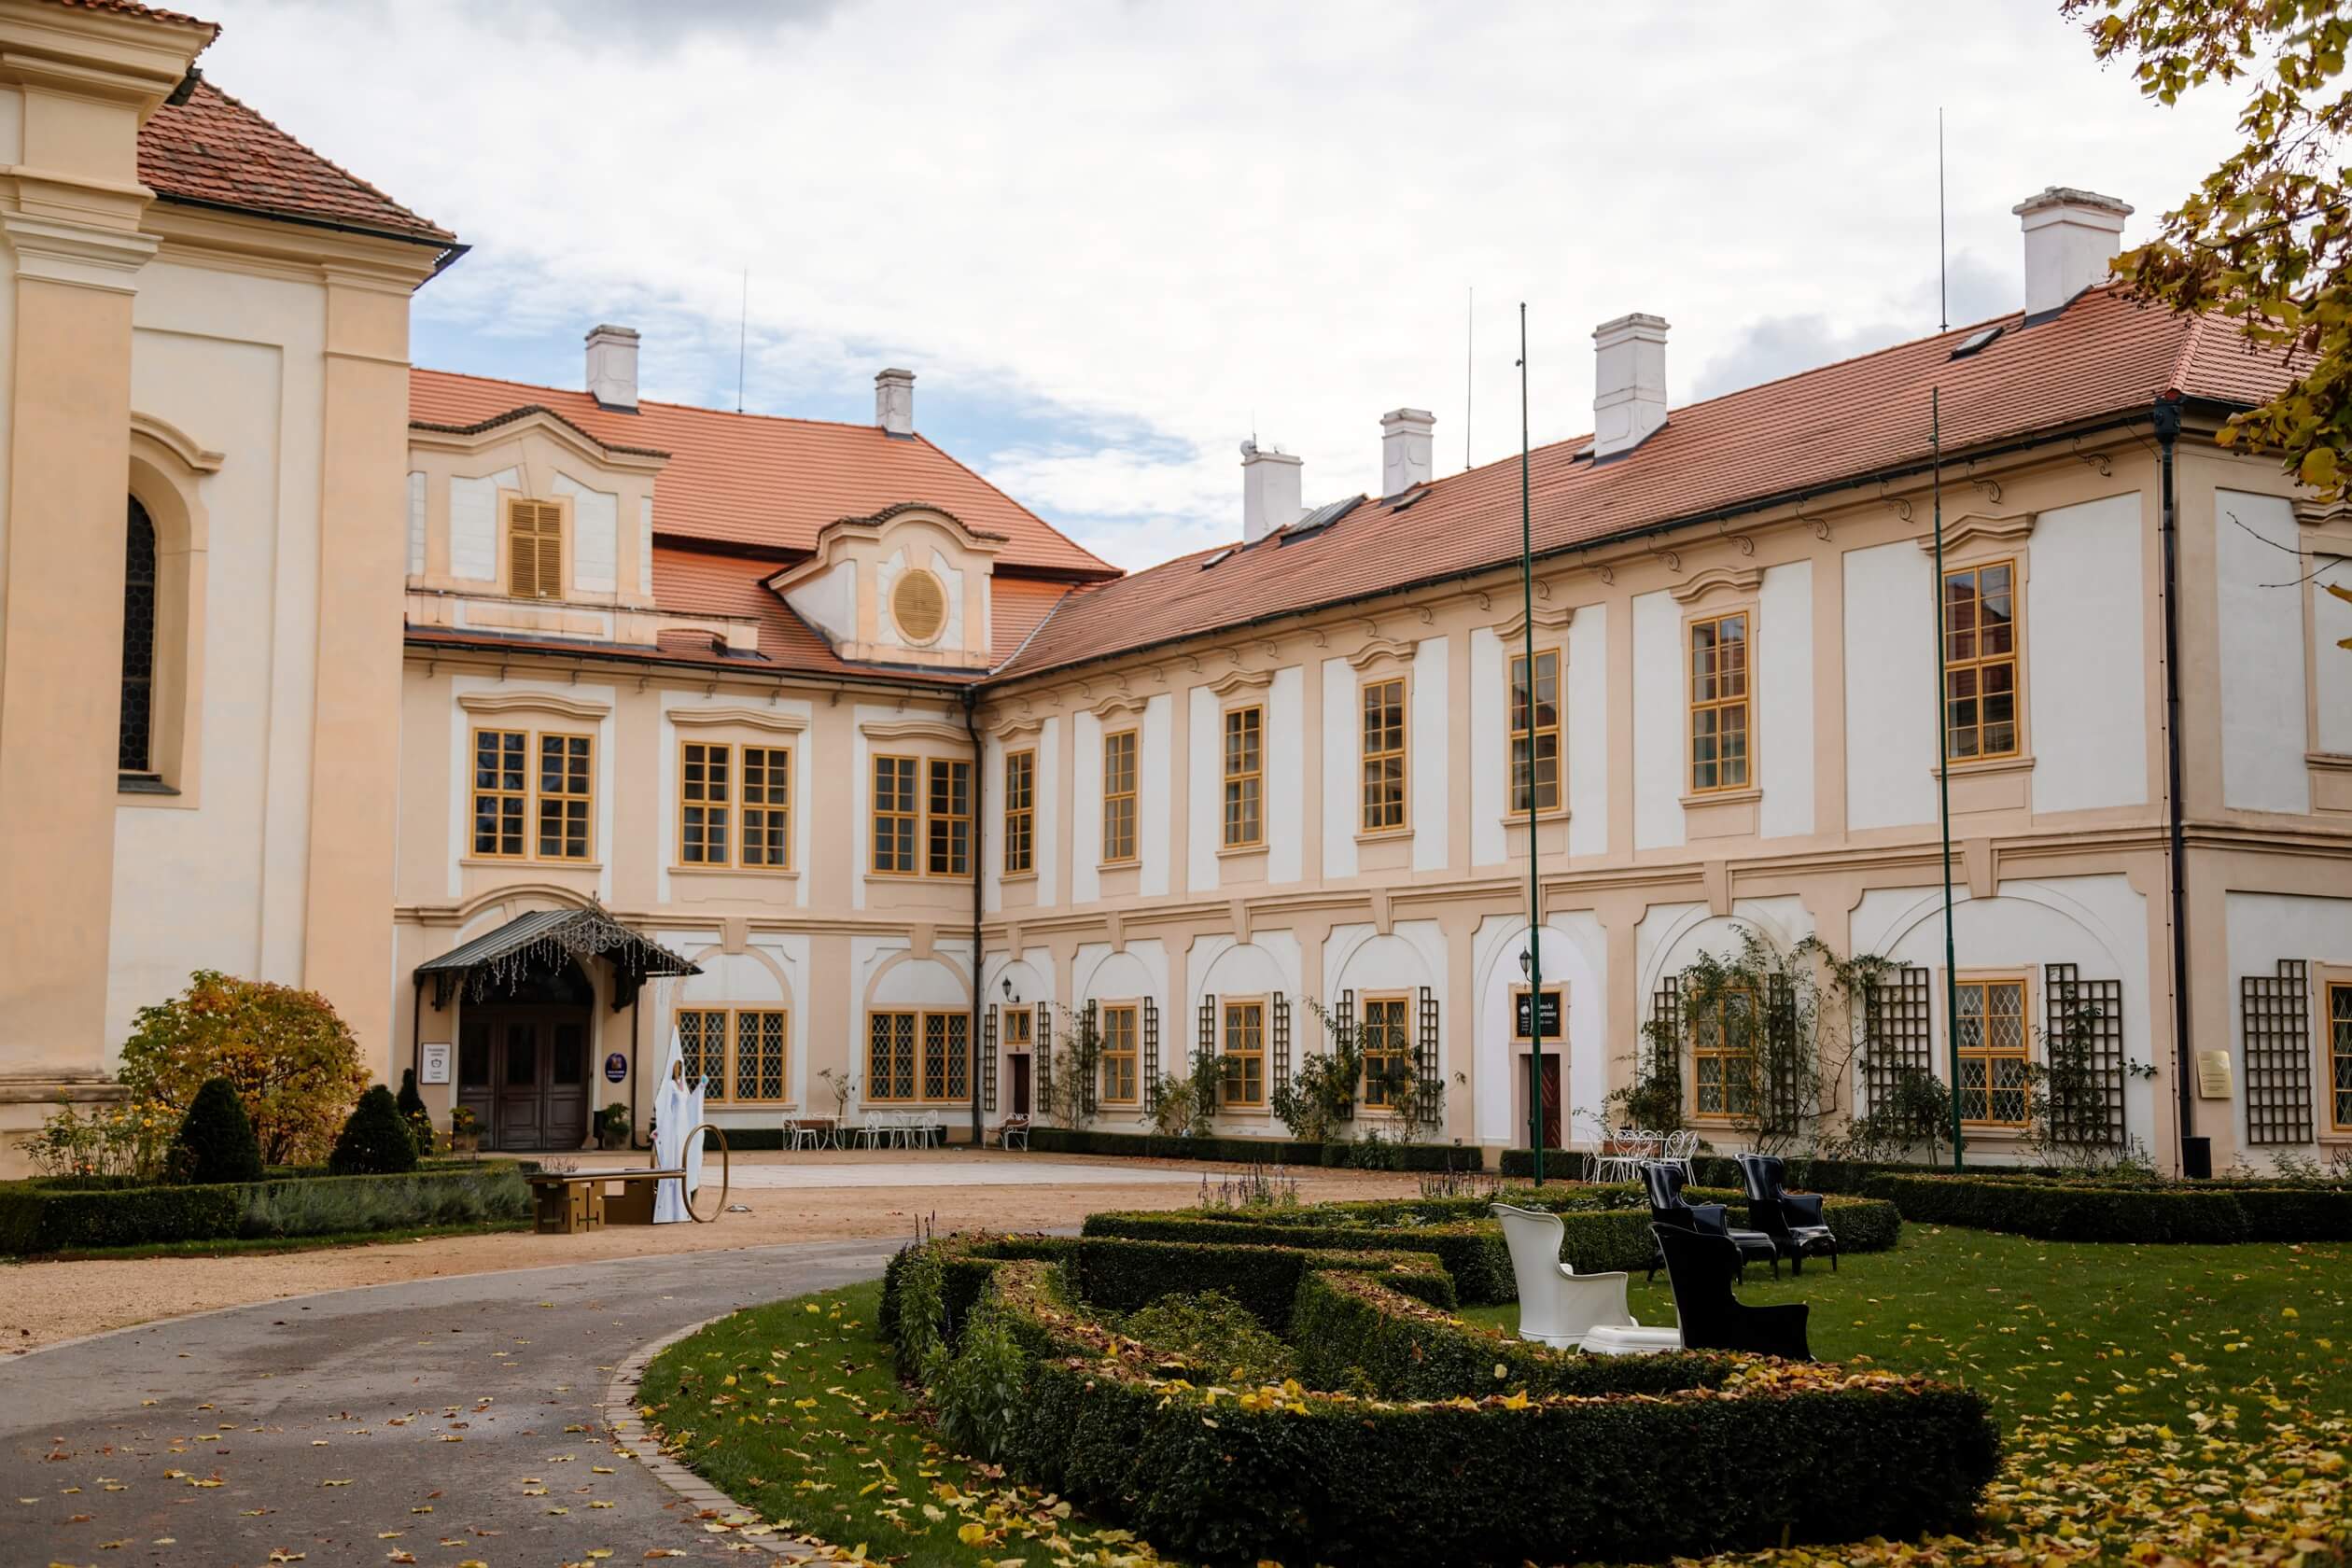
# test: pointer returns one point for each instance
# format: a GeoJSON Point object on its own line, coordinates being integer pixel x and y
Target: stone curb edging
{"type": "Point", "coordinates": [629, 1436]}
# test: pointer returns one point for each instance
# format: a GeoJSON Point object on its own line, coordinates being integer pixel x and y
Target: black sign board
{"type": "Point", "coordinates": [1549, 1014]}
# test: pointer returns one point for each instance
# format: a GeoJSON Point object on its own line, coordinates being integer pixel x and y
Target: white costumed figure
{"type": "Point", "coordinates": [676, 1109]}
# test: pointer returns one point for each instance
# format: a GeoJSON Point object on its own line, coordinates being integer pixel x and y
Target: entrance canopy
{"type": "Point", "coordinates": [529, 945]}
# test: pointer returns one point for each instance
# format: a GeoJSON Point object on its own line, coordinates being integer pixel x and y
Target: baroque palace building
{"type": "Point", "coordinates": [530, 724]}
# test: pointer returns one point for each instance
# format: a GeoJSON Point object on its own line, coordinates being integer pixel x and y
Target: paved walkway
{"type": "Point", "coordinates": [975, 1173]}
{"type": "Point", "coordinates": [454, 1419]}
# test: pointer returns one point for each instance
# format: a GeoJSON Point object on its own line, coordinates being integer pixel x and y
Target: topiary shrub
{"type": "Point", "coordinates": [375, 1141]}
{"type": "Point", "coordinates": [216, 1141]}
{"type": "Point", "coordinates": [293, 1060]}
{"type": "Point", "coordinates": [413, 1111]}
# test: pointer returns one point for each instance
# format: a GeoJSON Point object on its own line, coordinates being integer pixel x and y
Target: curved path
{"type": "Point", "coordinates": [450, 1420]}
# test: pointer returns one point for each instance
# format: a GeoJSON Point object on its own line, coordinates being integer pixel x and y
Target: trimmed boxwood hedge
{"type": "Point", "coordinates": [2079, 1210]}
{"type": "Point", "coordinates": [1650, 1456]}
{"type": "Point", "coordinates": [1604, 1228]}
{"type": "Point", "coordinates": [37, 1217]}
{"type": "Point", "coordinates": [1268, 1151]}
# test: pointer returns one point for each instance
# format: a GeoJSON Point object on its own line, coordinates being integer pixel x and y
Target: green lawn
{"type": "Point", "coordinates": [2164, 1405]}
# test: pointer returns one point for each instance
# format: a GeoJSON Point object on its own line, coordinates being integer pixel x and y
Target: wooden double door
{"type": "Point", "coordinates": [523, 1071]}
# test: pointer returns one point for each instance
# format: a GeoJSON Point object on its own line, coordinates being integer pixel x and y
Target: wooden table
{"type": "Point", "coordinates": [566, 1203]}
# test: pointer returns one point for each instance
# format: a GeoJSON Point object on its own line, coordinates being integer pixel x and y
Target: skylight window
{"type": "Point", "coordinates": [1976, 341]}
{"type": "Point", "coordinates": [1218, 557]}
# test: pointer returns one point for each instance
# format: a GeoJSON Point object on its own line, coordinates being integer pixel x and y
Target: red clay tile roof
{"type": "Point", "coordinates": [214, 150]}
{"type": "Point", "coordinates": [153, 13]}
{"type": "Point", "coordinates": [758, 479]}
{"type": "Point", "coordinates": [686, 579]}
{"type": "Point", "coordinates": [2103, 357]}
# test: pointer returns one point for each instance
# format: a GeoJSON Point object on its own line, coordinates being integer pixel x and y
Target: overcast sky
{"type": "Point", "coordinates": [1114, 239]}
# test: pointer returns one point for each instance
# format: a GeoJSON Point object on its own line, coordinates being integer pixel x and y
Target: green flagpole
{"type": "Point", "coordinates": [1943, 774]}
{"type": "Point", "coordinates": [1535, 887]}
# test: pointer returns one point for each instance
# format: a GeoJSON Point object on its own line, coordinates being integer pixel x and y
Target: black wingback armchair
{"type": "Point", "coordinates": [1792, 1219]}
{"type": "Point", "coordinates": [1699, 1267]}
{"type": "Point", "coordinates": [1665, 1180]}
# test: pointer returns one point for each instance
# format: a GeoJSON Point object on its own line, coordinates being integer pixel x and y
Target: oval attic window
{"type": "Point", "coordinates": [920, 605]}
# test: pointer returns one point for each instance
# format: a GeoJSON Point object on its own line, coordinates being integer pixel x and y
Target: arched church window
{"type": "Point", "coordinates": [138, 641]}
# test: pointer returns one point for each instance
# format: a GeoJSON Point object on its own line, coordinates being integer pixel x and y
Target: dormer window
{"type": "Point", "coordinates": [535, 549]}
{"type": "Point", "coordinates": [918, 603]}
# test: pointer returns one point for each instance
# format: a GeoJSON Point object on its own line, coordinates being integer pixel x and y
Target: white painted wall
{"type": "Point", "coordinates": [1785, 701]}
{"type": "Point", "coordinates": [473, 524]}
{"type": "Point", "coordinates": [1050, 806]}
{"type": "Point", "coordinates": [829, 601]}
{"type": "Point", "coordinates": [1204, 768]}
{"type": "Point", "coordinates": [1154, 801]}
{"type": "Point", "coordinates": [1432, 744]}
{"type": "Point", "coordinates": [1085, 810]}
{"type": "Point", "coordinates": [1285, 796]}
{"type": "Point", "coordinates": [1890, 686]}
{"type": "Point", "coordinates": [1341, 768]}
{"type": "Point", "coordinates": [2331, 626]}
{"type": "Point", "coordinates": [2263, 929]}
{"type": "Point", "coordinates": [645, 545]}
{"type": "Point", "coordinates": [2264, 735]}
{"type": "Point", "coordinates": [1659, 714]}
{"type": "Point", "coordinates": [417, 522]}
{"type": "Point", "coordinates": [1586, 691]}
{"type": "Point", "coordinates": [596, 535]}
{"type": "Point", "coordinates": [2086, 668]}
{"type": "Point", "coordinates": [1489, 748]}
{"type": "Point", "coordinates": [1573, 952]}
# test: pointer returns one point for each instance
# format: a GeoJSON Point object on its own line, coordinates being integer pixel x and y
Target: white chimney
{"type": "Point", "coordinates": [1628, 382]}
{"type": "Point", "coordinates": [1407, 448]}
{"type": "Point", "coordinates": [612, 366]}
{"type": "Point", "coordinates": [1270, 491]}
{"type": "Point", "coordinates": [894, 403]}
{"type": "Point", "coordinates": [2071, 238]}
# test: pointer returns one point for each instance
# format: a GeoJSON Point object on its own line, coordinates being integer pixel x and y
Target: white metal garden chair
{"type": "Point", "coordinates": [1681, 1148]}
{"type": "Point", "coordinates": [799, 1135]}
{"type": "Point", "coordinates": [1562, 1307]}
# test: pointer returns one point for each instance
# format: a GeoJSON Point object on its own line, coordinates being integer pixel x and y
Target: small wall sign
{"type": "Point", "coordinates": [616, 1068]}
{"type": "Point", "coordinates": [2213, 1075]}
{"type": "Point", "coordinates": [434, 1063]}
{"type": "Point", "coordinates": [1550, 1015]}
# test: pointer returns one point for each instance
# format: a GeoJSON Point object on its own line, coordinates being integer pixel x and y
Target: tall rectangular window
{"type": "Point", "coordinates": [1388, 1060]}
{"type": "Point", "coordinates": [535, 549]}
{"type": "Point", "coordinates": [1119, 1073]}
{"type": "Point", "coordinates": [759, 1056]}
{"type": "Point", "coordinates": [1019, 1028]}
{"type": "Point", "coordinates": [891, 1055]}
{"type": "Point", "coordinates": [950, 821]}
{"type": "Point", "coordinates": [895, 815]}
{"type": "Point", "coordinates": [1980, 660]}
{"type": "Point", "coordinates": [1383, 756]}
{"type": "Point", "coordinates": [1020, 812]}
{"type": "Point", "coordinates": [1535, 732]}
{"type": "Point", "coordinates": [1244, 1059]}
{"type": "Point", "coordinates": [1719, 703]}
{"type": "Point", "coordinates": [702, 1046]}
{"type": "Point", "coordinates": [1723, 1034]}
{"type": "Point", "coordinates": [766, 836]}
{"type": "Point", "coordinates": [502, 792]}
{"type": "Point", "coordinates": [567, 795]}
{"type": "Point", "coordinates": [1991, 1029]}
{"type": "Point", "coordinates": [946, 1059]}
{"type": "Point", "coordinates": [1244, 776]}
{"type": "Point", "coordinates": [704, 792]}
{"type": "Point", "coordinates": [1118, 797]}
{"type": "Point", "coordinates": [2340, 1055]}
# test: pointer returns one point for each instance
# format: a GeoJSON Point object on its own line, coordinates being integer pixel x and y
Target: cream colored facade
{"type": "Point", "coordinates": [243, 379]}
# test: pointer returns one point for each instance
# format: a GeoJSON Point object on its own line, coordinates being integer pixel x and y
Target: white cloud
{"type": "Point", "coordinates": [1163, 224]}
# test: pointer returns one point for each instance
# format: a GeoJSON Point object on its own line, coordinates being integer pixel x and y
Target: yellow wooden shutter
{"type": "Point", "coordinates": [535, 549]}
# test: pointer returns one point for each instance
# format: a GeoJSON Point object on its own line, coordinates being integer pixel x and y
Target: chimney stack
{"type": "Point", "coordinates": [1628, 382]}
{"type": "Point", "coordinates": [1270, 491]}
{"type": "Point", "coordinates": [2071, 238]}
{"type": "Point", "coordinates": [894, 403]}
{"type": "Point", "coordinates": [1408, 448]}
{"type": "Point", "coordinates": [613, 354]}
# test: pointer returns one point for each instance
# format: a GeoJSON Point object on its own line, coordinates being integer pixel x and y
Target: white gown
{"type": "Point", "coordinates": [673, 1114]}
{"type": "Point", "coordinates": [693, 1123]}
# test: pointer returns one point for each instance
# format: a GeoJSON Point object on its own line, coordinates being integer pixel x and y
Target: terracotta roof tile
{"type": "Point", "coordinates": [760, 480]}
{"type": "Point", "coordinates": [214, 150]}
{"type": "Point", "coordinates": [2102, 357]}
{"type": "Point", "coordinates": [153, 13]}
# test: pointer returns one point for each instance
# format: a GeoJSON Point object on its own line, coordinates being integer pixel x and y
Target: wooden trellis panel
{"type": "Point", "coordinates": [1151, 1055]}
{"type": "Point", "coordinates": [987, 1059]}
{"type": "Point", "coordinates": [1425, 1046]}
{"type": "Point", "coordinates": [2094, 1111]}
{"type": "Point", "coordinates": [1650, 1065]}
{"type": "Point", "coordinates": [2275, 1011]}
{"type": "Point", "coordinates": [1044, 1050]}
{"type": "Point", "coordinates": [1781, 1084]}
{"type": "Point", "coordinates": [1344, 1015]}
{"type": "Point", "coordinates": [1900, 1032]}
{"type": "Point", "coordinates": [1281, 1042]}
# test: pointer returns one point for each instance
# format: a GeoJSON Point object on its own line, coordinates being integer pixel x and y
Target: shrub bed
{"type": "Point", "coordinates": [1362, 1154]}
{"type": "Point", "coordinates": [1483, 1471]}
{"type": "Point", "coordinates": [2061, 1211]}
{"type": "Point", "coordinates": [41, 1217]}
{"type": "Point", "coordinates": [1604, 1228]}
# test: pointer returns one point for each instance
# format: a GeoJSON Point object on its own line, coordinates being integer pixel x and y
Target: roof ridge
{"type": "Point", "coordinates": [665, 403]}
{"type": "Point", "coordinates": [207, 85]}
{"type": "Point", "coordinates": [1069, 590]}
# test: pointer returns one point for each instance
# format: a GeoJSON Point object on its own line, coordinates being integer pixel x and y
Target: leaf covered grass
{"type": "Point", "coordinates": [2164, 1406]}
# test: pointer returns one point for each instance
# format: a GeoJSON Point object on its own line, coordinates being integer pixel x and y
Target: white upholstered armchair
{"type": "Point", "coordinates": [1559, 1306]}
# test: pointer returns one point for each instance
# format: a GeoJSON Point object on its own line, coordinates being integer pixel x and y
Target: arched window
{"type": "Point", "coordinates": [138, 641]}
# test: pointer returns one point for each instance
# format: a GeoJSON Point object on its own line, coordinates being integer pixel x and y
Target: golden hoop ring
{"type": "Point", "coordinates": [711, 1126]}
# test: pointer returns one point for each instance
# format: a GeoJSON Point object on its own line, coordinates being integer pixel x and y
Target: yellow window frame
{"type": "Point", "coordinates": [1386, 1033]}
{"type": "Point", "coordinates": [511, 766]}
{"type": "Point", "coordinates": [1244, 776]}
{"type": "Point", "coordinates": [1242, 1065]}
{"type": "Point", "coordinates": [947, 817]}
{"type": "Point", "coordinates": [1386, 740]}
{"type": "Point", "coordinates": [1720, 687]}
{"type": "Point", "coordinates": [1993, 1048]}
{"type": "Point", "coordinates": [1020, 812]}
{"type": "Point", "coordinates": [1979, 652]}
{"type": "Point", "coordinates": [897, 817]}
{"type": "Point", "coordinates": [1122, 1047]}
{"type": "Point", "coordinates": [1533, 735]}
{"type": "Point", "coordinates": [1122, 751]}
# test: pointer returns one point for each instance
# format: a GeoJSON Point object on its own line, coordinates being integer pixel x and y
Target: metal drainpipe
{"type": "Point", "coordinates": [2166, 414]}
{"type": "Point", "coordinates": [971, 1029]}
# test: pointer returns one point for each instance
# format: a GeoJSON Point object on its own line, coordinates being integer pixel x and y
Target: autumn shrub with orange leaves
{"type": "Point", "coordinates": [293, 1060]}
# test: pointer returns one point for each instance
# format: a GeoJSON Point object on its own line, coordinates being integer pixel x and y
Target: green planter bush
{"type": "Point", "coordinates": [1268, 1150]}
{"type": "Point", "coordinates": [1559, 1459]}
{"type": "Point", "coordinates": [376, 1140]}
{"type": "Point", "coordinates": [37, 1217]}
{"type": "Point", "coordinates": [215, 1142]}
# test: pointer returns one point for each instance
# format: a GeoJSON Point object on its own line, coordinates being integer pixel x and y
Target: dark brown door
{"type": "Point", "coordinates": [1020, 1066]}
{"type": "Point", "coordinates": [522, 1081]}
{"type": "Point", "coordinates": [1551, 1100]}
{"type": "Point", "coordinates": [564, 1106]}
